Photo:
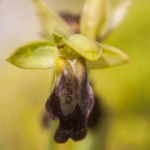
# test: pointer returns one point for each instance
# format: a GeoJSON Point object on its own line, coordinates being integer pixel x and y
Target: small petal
{"type": "Point", "coordinates": [35, 55]}
{"type": "Point", "coordinates": [85, 46]}
{"type": "Point", "coordinates": [95, 18]}
{"type": "Point", "coordinates": [119, 13]}
{"type": "Point", "coordinates": [111, 57]}
{"type": "Point", "coordinates": [49, 19]}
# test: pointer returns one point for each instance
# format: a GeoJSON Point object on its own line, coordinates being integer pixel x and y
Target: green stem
{"type": "Point", "coordinates": [52, 144]}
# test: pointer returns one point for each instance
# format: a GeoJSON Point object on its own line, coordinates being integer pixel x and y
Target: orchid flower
{"type": "Point", "coordinates": [72, 98]}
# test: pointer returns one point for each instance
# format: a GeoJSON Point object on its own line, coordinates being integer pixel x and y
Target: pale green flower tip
{"type": "Point", "coordinates": [9, 60]}
{"type": "Point", "coordinates": [122, 57]}
{"type": "Point", "coordinates": [58, 33]}
{"type": "Point", "coordinates": [85, 46]}
{"type": "Point", "coordinates": [14, 62]}
{"type": "Point", "coordinates": [125, 59]}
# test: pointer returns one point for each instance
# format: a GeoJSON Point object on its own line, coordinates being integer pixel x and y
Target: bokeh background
{"type": "Point", "coordinates": [124, 90]}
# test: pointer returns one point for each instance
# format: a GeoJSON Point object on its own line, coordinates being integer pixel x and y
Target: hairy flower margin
{"type": "Point", "coordinates": [72, 98]}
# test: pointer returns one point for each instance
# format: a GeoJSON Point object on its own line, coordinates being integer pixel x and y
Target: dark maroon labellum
{"type": "Point", "coordinates": [71, 100]}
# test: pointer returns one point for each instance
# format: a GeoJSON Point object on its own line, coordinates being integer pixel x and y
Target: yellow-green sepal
{"type": "Point", "coordinates": [84, 46]}
{"type": "Point", "coordinates": [49, 19]}
{"type": "Point", "coordinates": [35, 55]}
{"type": "Point", "coordinates": [111, 57]}
{"type": "Point", "coordinates": [95, 18]}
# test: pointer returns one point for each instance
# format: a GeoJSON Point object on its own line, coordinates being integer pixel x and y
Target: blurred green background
{"type": "Point", "coordinates": [125, 90]}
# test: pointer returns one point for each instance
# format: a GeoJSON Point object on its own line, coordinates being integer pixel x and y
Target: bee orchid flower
{"type": "Point", "coordinates": [72, 98]}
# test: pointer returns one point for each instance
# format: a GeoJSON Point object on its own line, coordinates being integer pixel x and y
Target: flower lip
{"type": "Point", "coordinates": [71, 100]}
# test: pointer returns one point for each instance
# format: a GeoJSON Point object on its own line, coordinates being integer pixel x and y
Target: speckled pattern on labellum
{"type": "Point", "coordinates": [72, 99]}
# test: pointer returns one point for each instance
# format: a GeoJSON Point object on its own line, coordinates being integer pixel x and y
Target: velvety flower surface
{"type": "Point", "coordinates": [71, 100]}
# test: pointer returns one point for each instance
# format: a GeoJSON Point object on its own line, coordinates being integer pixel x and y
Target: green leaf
{"type": "Point", "coordinates": [85, 46]}
{"type": "Point", "coordinates": [35, 55]}
{"type": "Point", "coordinates": [49, 19]}
{"type": "Point", "coordinates": [111, 57]}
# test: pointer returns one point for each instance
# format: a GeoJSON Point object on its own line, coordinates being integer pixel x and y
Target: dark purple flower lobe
{"type": "Point", "coordinates": [71, 100]}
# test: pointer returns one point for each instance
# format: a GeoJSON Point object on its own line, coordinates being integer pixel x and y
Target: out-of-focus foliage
{"type": "Point", "coordinates": [125, 90]}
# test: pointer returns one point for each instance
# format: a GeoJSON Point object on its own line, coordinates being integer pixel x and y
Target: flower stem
{"type": "Point", "coordinates": [52, 144]}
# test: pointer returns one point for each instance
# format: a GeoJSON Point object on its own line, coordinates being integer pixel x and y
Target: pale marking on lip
{"type": "Point", "coordinates": [72, 62]}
